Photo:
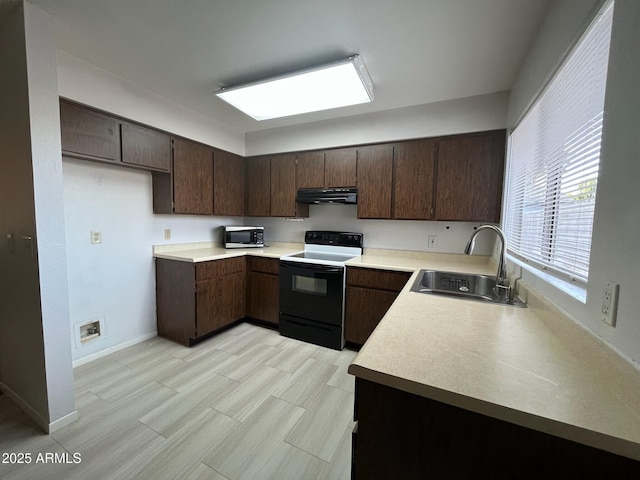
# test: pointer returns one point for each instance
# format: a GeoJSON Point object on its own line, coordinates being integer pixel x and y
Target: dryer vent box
{"type": "Point", "coordinates": [88, 331]}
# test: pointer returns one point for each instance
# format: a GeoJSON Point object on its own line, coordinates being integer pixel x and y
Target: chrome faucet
{"type": "Point", "coordinates": [502, 284]}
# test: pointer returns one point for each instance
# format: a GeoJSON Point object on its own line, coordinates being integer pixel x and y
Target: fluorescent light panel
{"type": "Point", "coordinates": [335, 85]}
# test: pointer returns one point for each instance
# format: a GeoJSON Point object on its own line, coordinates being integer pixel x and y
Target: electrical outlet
{"type": "Point", "coordinates": [167, 234]}
{"type": "Point", "coordinates": [433, 241]}
{"type": "Point", "coordinates": [96, 237]}
{"type": "Point", "coordinates": [609, 306]}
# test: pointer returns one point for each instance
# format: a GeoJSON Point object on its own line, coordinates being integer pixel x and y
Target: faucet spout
{"type": "Point", "coordinates": [501, 276]}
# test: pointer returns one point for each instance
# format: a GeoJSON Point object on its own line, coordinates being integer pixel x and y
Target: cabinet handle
{"type": "Point", "coordinates": [29, 243]}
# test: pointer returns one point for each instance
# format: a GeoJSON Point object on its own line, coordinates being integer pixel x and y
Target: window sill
{"type": "Point", "coordinates": [576, 291]}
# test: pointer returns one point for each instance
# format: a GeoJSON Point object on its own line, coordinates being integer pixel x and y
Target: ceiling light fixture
{"type": "Point", "coordinates": [337, 84]}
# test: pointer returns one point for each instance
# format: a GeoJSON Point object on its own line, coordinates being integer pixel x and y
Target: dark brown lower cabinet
{"type": "Point", "coordinates": [369, 295]}
{"type": "Point", "coordinates": [263, 283]}
{"type": "Point", "coordinates": [195, 299]}
{"type": "Point", "coordinates": [402, 435]}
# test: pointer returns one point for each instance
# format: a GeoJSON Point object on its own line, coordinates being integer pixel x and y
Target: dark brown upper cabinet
{"type": "Point", "coordinates": [450, 178]}
{"type": "Point", "coordinates": [340, 167]}
{"type": "Point", "coordinates": [413, 176]}
{"type": "Point", "coordinates": [192, 177]}
{"type": "Point", "coordinates": [145, 147]}
{"type": "Point", "coordinates": [228, 184]}
{"type": "Point", "coordinates": [375, 170]}
{"type": "Point", "coordinates": [469, 177]}
{"type": "Point", "coordinates": [88, 134]}
{"type": "Point", "coordinates": [258, 187]}
{"type": "Point", "coordinates": [310, 170]}
{"type": "Point", "coordinates": [284, 189]}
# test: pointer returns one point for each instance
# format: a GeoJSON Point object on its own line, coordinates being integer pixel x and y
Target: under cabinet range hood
{"type": "Point", "coordinates": [327, 196]}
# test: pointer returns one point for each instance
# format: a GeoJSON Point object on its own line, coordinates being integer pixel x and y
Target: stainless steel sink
{"type": "Point", "coordinates": [464, 285]}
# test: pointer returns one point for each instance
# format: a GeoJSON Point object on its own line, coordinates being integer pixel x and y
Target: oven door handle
{"type": "Point", "coordinates": [310, 266]}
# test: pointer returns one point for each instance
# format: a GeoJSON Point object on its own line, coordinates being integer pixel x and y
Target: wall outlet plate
{"type": "Point", "coordinates": [96, 237]}
{"type": "Point", "coordinates": [433, 241]}
{"type": "Point", "coordinates": [609, 307]}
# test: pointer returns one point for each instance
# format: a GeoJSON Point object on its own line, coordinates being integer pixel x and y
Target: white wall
{"type": "Point", "coordinates": [389, 234]}
{"type": "Point", "coordinates": [47, 181]}
{"type": "Point", "coordinates": [115, 282]}
{"type": "Point", "coordinates": [471, 114]}
{"type": "Point", "coordinates": [614, 251]}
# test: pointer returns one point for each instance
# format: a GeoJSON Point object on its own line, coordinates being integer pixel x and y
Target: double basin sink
{"type": "Point", "coordinates": [464, 285]}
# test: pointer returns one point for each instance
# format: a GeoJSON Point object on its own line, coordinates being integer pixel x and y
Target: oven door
{"type": "Point", "coordinates": [311, 291]}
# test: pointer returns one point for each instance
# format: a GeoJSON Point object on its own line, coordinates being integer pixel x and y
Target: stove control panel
{"type": "Point", "coordinates": [325, 237]}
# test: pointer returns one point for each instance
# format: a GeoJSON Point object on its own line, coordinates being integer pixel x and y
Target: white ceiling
{"type": "Point", "coordinates": [416, 51]}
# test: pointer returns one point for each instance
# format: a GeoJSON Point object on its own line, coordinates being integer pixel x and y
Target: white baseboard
{"type": "Point", "coordinates": [115, 348]}
{"type": "Point", "coordinates": [63, 422]}
{"type": "Point", "coordinates": [35, 416]}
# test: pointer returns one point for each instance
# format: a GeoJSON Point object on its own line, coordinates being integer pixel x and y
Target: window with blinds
{"type": "Point", "coordinates": [553, 161]}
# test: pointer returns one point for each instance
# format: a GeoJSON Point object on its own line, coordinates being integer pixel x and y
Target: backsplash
{"type": "Point", "coordinates": [413, 235]}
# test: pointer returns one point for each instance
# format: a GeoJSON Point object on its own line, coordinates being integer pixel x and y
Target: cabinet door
{"type": "Point", "coordinates": [283, 188]}
{"type": "Point", "coordinates": [340, 167]}
{"type": "Point", "coordinates": [228, 184]}
{"type": "Point", "coordinates": [232, 297]}
{"type": "Point", "coordinates": [310, 170]}
{"type": "Point", "coordinates": [145, 147]}
{"type": "Point", "coordinates": [365, 307]}
{"type": "Point", "coordinates": [220, 301]}
{"type": "Point", "coordinates": [469, 179]}
{"type": "Point", "coordinates": [207, 298]}
{"type": "Point", "coordinates": [192, 177]}
{"type": "Point", "coordinates": [263, 297]}
{"type": "Point", "coordinates": [413, 170]}
{"type": "Point", "coordinates": [375, 169]}
{"type": "Point", "coordinates": [258, 191]}
{"type": "Point", "coordinates": [88, 134]}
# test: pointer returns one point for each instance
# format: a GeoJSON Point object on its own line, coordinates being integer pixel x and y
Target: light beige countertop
{"type": "Point", "coordinates": [528, 366]}
{"type": "Point", "coordinates": [206, 251]}
{"type": "Point", "coordinates": [409, 261]}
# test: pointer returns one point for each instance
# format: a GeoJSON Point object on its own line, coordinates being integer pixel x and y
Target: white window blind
{"type": "Point", "coordinates": [554, 158]}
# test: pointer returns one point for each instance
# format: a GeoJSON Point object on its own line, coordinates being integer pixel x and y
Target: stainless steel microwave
{"type": "Point", "coordinates": [243, 237]}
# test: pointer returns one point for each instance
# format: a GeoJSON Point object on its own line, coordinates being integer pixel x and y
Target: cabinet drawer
{"type": "Point", "coordinates": [379, 279]}
{"type": "Point", "coordinates": [264, 265]}
{"type": "Point", "coordinates": [219, 268]}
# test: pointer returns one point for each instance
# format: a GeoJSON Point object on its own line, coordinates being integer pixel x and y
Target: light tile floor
{"type": "Point", "coordinates": [246, 403]}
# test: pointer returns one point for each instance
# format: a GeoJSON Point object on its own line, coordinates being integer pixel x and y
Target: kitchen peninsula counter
{"type": "Point", "coordinates": [531, 367]}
